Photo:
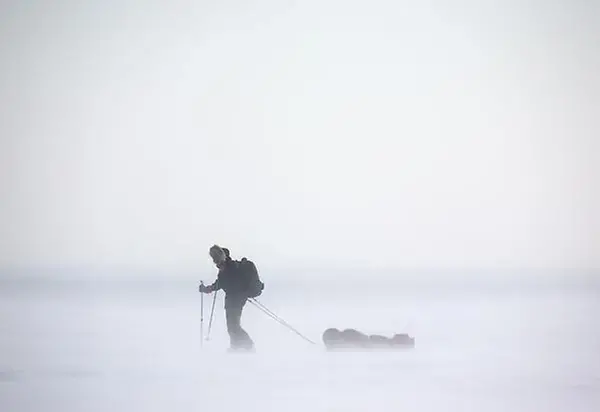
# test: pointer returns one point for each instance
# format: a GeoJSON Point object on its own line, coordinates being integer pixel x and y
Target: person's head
{"type": "Point", "coordinates": [218, 255]}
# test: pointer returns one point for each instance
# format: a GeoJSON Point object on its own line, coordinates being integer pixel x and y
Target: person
{"type": "Point", "coordinates": [230, 280]}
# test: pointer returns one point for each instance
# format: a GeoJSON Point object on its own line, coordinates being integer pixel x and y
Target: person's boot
{"type": "Point", "coordinates": [241, 349]}
{"type": "Point", "coordinates": [241, 344]}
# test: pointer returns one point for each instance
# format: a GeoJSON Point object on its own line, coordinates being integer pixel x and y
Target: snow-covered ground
{"type": "Point", "coordinates": [135, 346]}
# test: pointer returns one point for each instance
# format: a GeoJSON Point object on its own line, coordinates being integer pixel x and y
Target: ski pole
{"type": "Point", "coordinates": [212, 313]}
{"type": "Point", "coordinates": [201, 314]}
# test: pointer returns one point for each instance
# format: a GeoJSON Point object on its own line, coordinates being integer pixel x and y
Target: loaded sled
{"type": "Point", "coordinates": [335, 339]}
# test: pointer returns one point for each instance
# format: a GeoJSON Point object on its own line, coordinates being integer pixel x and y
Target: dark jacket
{"type": "Point", "coordinates": [230, 279]}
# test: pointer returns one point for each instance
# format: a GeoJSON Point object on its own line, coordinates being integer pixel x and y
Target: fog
{"type": "Point", "coordinates": [136, 346]}
{"type": "Point", "coordinates": [428, 168]}
{"type": "Point", "coordinates": [373, 134]}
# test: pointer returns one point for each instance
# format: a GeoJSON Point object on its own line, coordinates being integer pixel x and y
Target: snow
{"type": "Point", "coordinates": [72, 346]}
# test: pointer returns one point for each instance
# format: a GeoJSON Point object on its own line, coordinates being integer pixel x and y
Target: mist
{"type": "Point", "coordinates": [421, 168]}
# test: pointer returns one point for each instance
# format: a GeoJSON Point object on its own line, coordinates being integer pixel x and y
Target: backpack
{"type": "Point", "coordinates": [254, 286]}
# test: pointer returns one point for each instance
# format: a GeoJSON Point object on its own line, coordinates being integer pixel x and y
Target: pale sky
{"type": "Point", "coordinates": [391, 133]}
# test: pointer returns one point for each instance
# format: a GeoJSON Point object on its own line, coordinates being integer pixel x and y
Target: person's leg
{"type": "Point", "coordinates": [239, 338]}
{"type": "Point", "coordinates": [232, 316]}
{"type": "Point", "coordinates": [244, 338]}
